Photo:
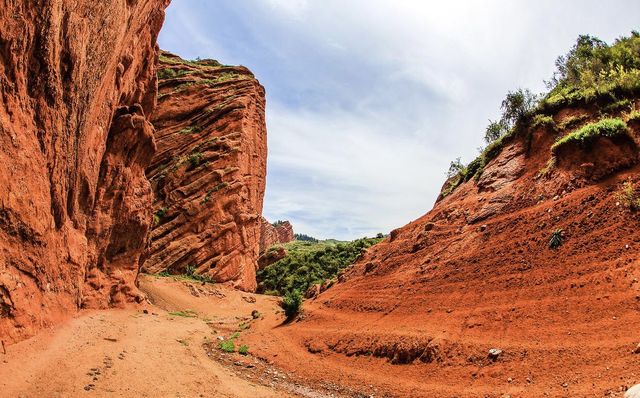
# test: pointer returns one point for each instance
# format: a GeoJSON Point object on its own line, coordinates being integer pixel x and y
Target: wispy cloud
{"type": "Point", "coordinates": [368, 100]}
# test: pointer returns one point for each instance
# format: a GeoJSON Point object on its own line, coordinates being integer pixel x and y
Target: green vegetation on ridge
{"type": "Point", "coordinates": [585, 135]}
{"type": "Point", "coordinates": [308, 263]}
{"type": "Point", "coordinates": [592, 72]}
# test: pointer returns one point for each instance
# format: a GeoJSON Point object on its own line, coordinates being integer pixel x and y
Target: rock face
{"type": "Point", "coordinates": [477, 272]}
{"type": "Point", "coordinates": [208, 174]}
{"type": "Point", "coordinates": [76, 80]}
{"type": "Point", "coordinates": [273, 234]}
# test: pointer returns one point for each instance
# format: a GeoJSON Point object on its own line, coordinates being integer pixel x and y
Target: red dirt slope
{"type": "Point", "coordinates": [419, 312]}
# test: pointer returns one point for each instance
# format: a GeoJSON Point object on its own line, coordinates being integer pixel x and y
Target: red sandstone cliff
{"type": "Point", "coordinates": [208, 174]}
{"type": "Point", "coordinates": [276, 233]}
{"type": "Point", "coordinates": [76, 81]}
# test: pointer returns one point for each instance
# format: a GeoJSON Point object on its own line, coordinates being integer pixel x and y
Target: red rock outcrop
{"type": "Point", "coordinates": [478, 273]}
{"type": "Point", "coordinates": [209, 172]}
{"type": "Point", "coordinates": [273, 234]}
{"type": "Point", "coordinates": [76, 81]}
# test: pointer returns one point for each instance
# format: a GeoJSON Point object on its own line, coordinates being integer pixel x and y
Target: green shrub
{"type": "Point", "coordinates": [166, 73]}
{"type": "Point", "coordinates": [309, 262]}
{"type": "Point", "coordinates": [556, 239]}
{"type": "Point", "coordinates": [227, 346]}
{"type": "Point", "coordinates": [159, 215]}
{"type": "Point", "coordinates": [243, 350]}
{"type": "Point", "coordinates": [195, 159]}
{"type": "Point", "coordinates": [593, 69]}
{"type": "Point", "coordinates": [542, 121]}
{"type": "Point", "coordinates": [546, 170]}
{"type": "Point", "coordinates": [617, 106]}
{"type": "Point", "coordinates": [184, 314]}
{"type": "Point", "coordinates": [455, 167]}
{"type": "Point", "coordinates": [190, 130]}
{"type": "Point", "coordinates": [586, 134]}
{"type": "Point", "coordinates": [633, 116]}
{"type": "Point", "coordinates": [628, 196]}
{"type": "Point", "coordinates": [292, 303]}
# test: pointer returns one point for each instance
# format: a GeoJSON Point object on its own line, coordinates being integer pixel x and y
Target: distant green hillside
{"type": "Point", "coordinates": [308, 263]}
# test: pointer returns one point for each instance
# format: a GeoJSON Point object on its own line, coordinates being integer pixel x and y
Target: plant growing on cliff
{"type": "Point", "coordinates": [587, 134]}
{"type": "Point", "coordinates": [556, 239]}
{"type": "Point", "coordinates": [455, 167]}
{"type": "Point", "coordinates": [292, 303]}
{"type": "Point", "coordinates": [243, 350]}
{"type": "Point", "coordinates": [592, 69]}
{"type": "Point", "coordinates": [195, 159]}
{"type": "Point", "coordinates": [543, 121]}
{"type": "Point", "coordinates": [159, 215]}
{"type": "Point", "coordinates": [190, 130]}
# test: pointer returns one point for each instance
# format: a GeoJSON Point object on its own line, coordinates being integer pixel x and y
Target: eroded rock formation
{"type": "Point", "coordinates": [208, 174]}
{"type": "Point", "coordinates": [76, 81]}
{"type": "Point", "coordinates": [273, 234]}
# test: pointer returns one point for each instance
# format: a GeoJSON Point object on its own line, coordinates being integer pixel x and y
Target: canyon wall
{"type": "Point", "coordinates": [208, 174]}
{"type": "Point", "coordinates": [77, 83]}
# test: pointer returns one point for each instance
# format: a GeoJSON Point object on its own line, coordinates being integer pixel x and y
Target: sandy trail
{"type": "Point", "coordinates": [127, 353]}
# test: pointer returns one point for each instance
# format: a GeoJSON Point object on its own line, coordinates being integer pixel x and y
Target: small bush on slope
{"type": "Point", "coordinates": [292, 303]}
{"type": "Point", "coordinates": [556, 238]}
{"type": "Point", "coordinates": [585, 135]}
{"type": "Point", "coordinates": [629, 197]}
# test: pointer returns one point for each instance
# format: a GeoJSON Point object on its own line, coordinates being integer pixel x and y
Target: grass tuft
{"type": "Point", "coordinates": [587, 134]}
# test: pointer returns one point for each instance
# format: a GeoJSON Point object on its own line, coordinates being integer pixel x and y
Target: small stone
{"type": "Point", "coordinates": [494, 353]}
{"type": "Point", "coordinates": [565, 385]}
{"type": "Point", "coordinates": [145, 311]}
{"type": "Point", "coordinates": [509, 380]}
{"type": "Point", "coordinates": [255, 314]}
{"type": "Point", "coordinates": [221, 338]}
{"type": "Point", "coordinates": [637, 350]}
{"type": "Point", "coordinates": [483, 227]}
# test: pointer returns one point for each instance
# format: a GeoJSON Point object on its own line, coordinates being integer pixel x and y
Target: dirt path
{"type": "Point", "coordinates": [167, 348]}
{"type": "Point", "coordinates": [122, 353]}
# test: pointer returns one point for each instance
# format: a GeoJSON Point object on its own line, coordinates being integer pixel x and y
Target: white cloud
{"type": "Point", "coordinates": [368, 100]}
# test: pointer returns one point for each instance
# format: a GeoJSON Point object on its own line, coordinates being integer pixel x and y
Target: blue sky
{"type": "Point", "coordinates": [369, 100]}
